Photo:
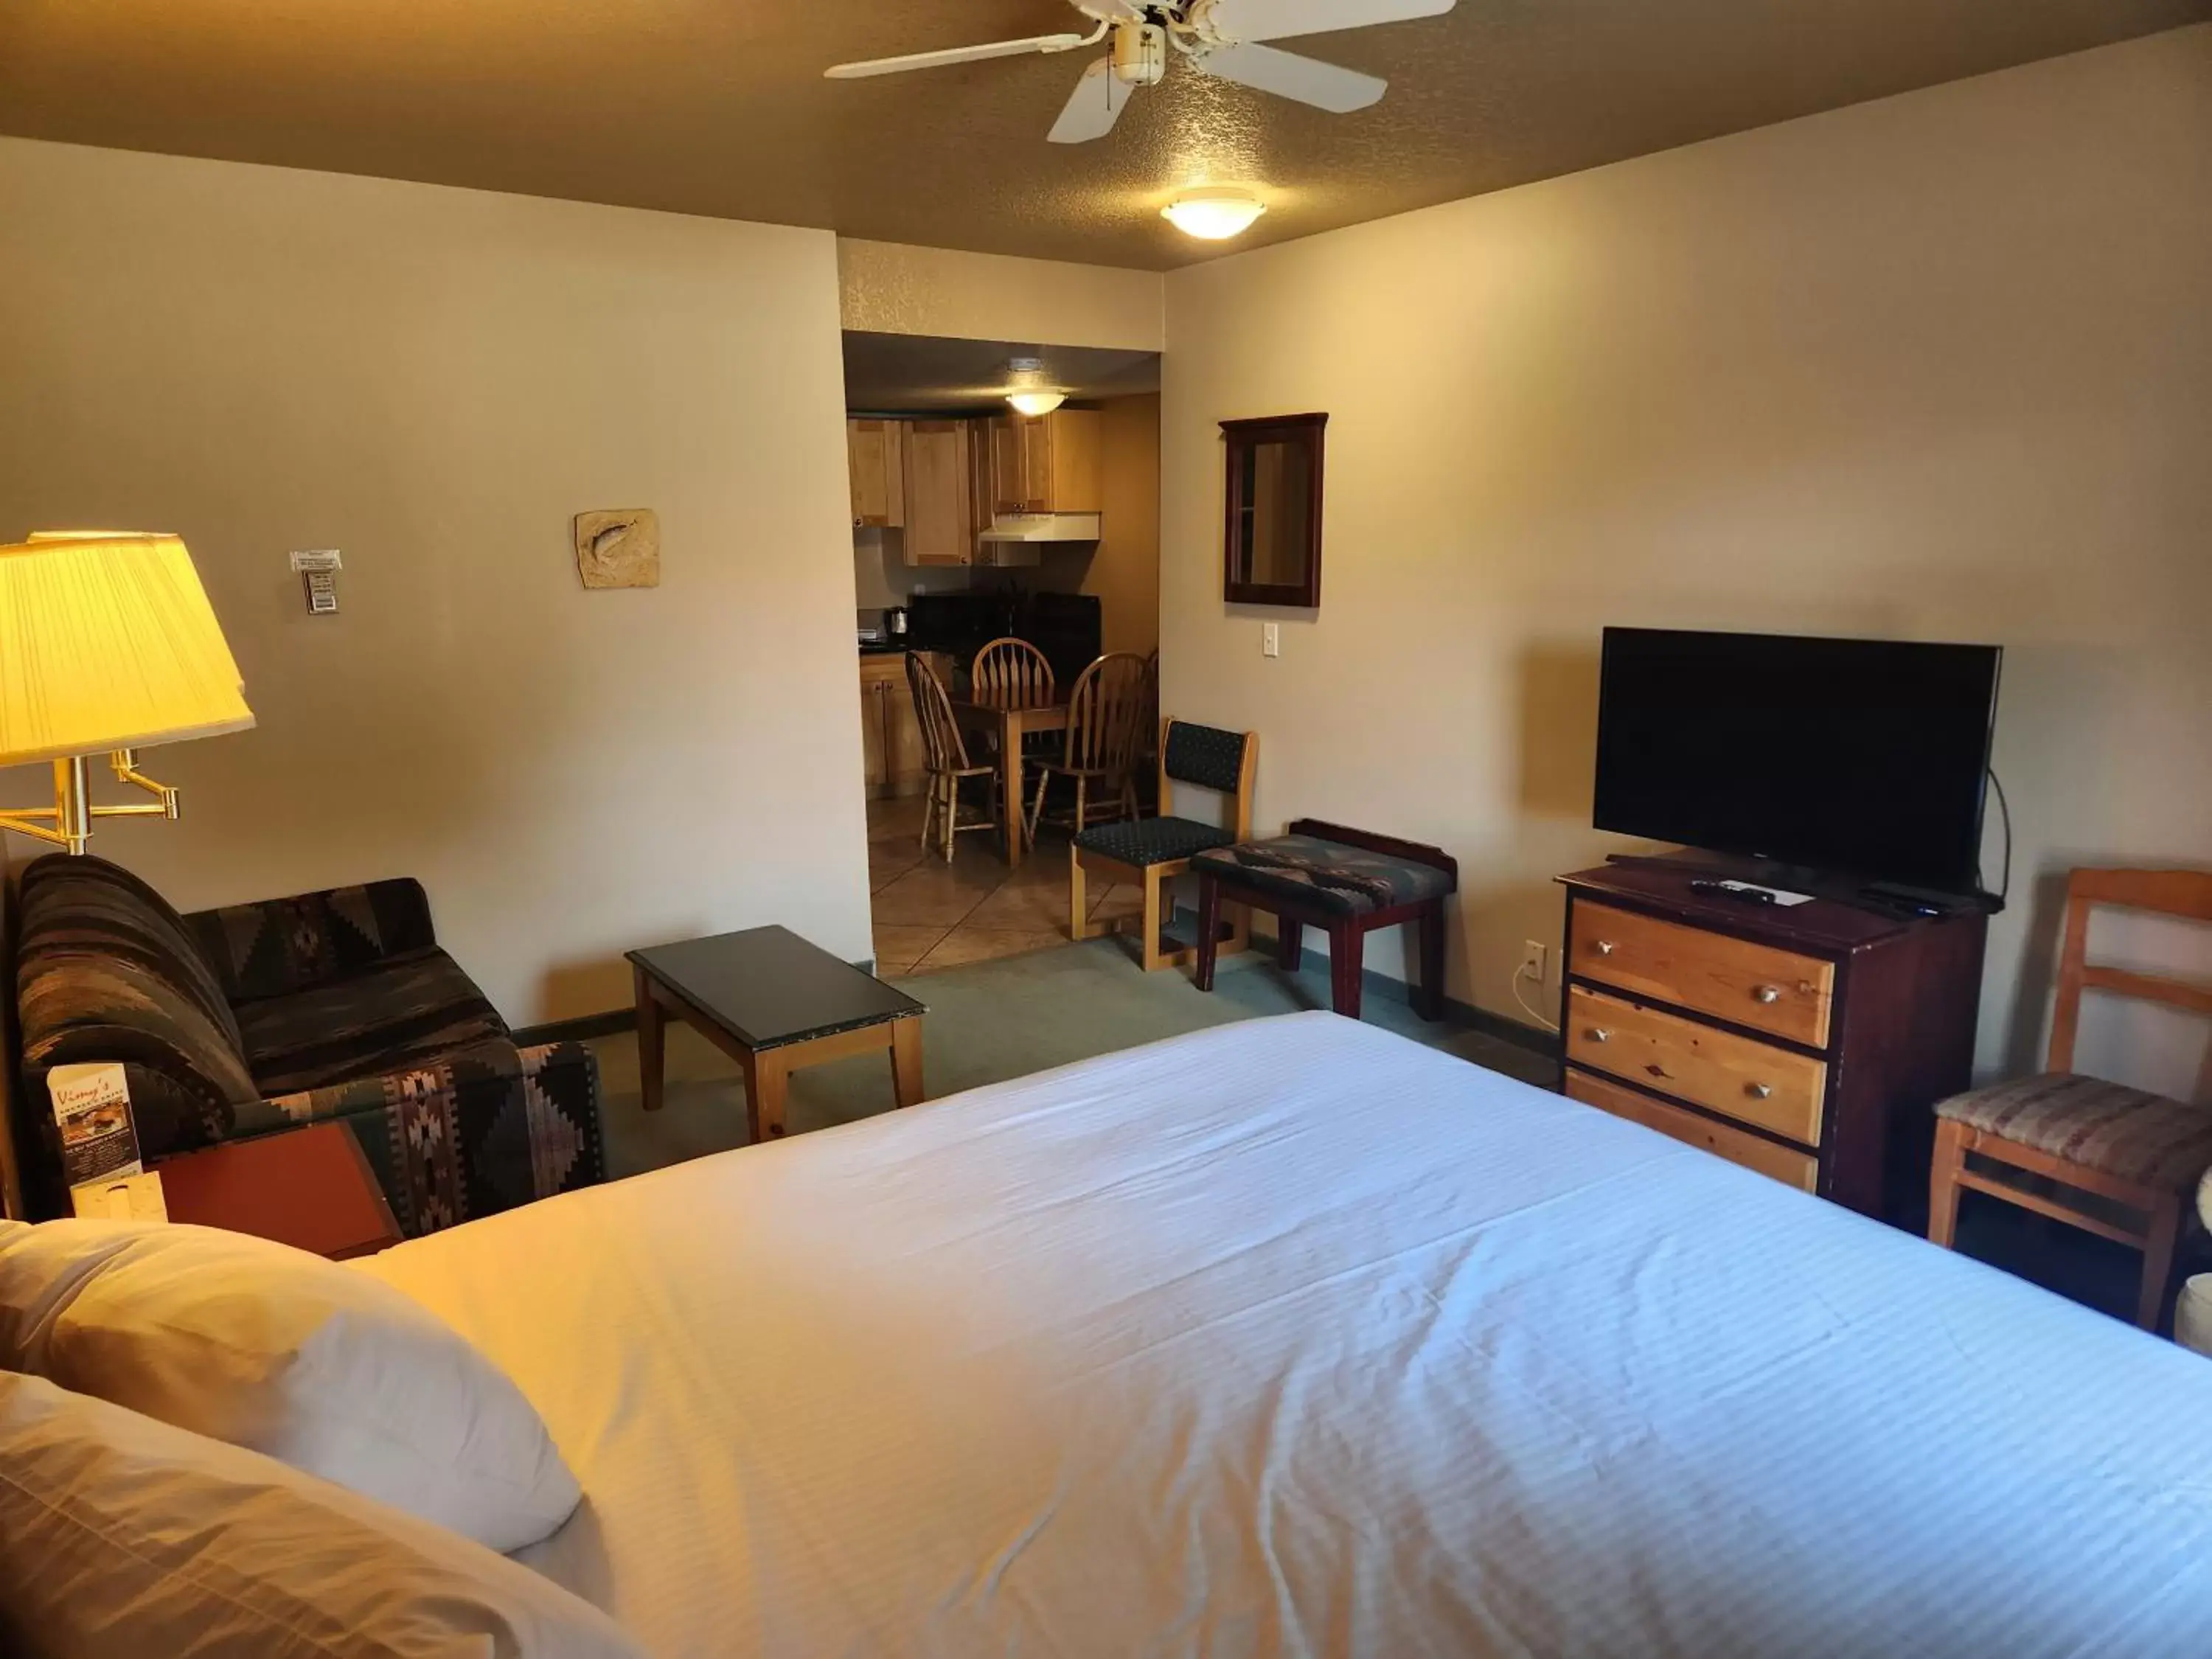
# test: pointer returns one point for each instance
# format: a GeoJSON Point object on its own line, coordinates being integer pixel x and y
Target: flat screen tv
{"type": "Point", "coordinates": [1853, 758]}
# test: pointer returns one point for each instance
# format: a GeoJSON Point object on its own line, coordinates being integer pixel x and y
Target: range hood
{"type": "Point", "coordinates": [1040, 527]}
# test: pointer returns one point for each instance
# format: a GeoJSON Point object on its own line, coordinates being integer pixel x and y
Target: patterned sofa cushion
{"type": "Point", "coordinates": [277, 947]}
{"type": "Point", "coordinates": [1143, 842]}
{"type": "Point", "coordinates": [2102, 1126]}
{"type": "Point", "coordinates": [398, 1015]}
{"type": "Point", "coordinates": [1351, 880]}
{"type": "Point", "coordinates": [106, 972]}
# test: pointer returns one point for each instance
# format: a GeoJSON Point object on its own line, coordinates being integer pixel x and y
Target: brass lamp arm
{"type": "Point", "coordinates": [68, 822]}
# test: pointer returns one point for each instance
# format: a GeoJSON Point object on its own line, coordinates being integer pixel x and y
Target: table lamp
{"type": "Point", "coordinates": [106, 642]}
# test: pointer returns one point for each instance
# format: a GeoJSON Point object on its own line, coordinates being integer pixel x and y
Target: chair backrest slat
{"type": "Point", "coordinates": [943, 747]}
{"type": "Point", "coordinates": [1106, 714]}
{"type": "Point", "coordinates": [1011, 673]}
{"type": "Point", "coordinates": [2183, 893]}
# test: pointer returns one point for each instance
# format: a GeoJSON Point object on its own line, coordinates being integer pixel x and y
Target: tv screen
{"type": "Point", "coordinates": [1862, 757]}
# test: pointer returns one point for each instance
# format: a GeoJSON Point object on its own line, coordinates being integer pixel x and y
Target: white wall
{"type": "Point", "coordinates": [435, 380]}
{"type": "Point", "coordinates": [1936, 367]}
{"type": "Point", "coordinates": [889, 287]}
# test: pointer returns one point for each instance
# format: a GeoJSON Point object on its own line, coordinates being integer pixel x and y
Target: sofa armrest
{"type": "Point", "coordinates": [481, 1131]}
{"type": "Point", "coordinates": [276, 946]}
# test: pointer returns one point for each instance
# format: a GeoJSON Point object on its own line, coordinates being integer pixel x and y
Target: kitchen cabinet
{"type": "Point", "coordinates": [1047, 463]}
{"type": "Point", "coordinates": [875, 460]}
{"type": "Point", "coordinates": [894, 761]}
{"type": "Point", "coordinates": [940, 522]}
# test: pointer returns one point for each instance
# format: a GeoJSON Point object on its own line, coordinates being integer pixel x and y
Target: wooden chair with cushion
{"type": "Point", "coordinates": [1105, 729]}
{"type": "Point", "coordinates": [2093, 1154]}
{"type": "Point", "coordinates": [1152, 852]}
{"type": "Point", "coordinates": [946, 754]}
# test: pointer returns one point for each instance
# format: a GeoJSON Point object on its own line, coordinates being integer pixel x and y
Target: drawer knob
{"type": "Point", "coordinates": [1599, 1034]}
{"type": "Point", "coordinates": [1759, 1090]}
{"type": "Point", "coordinates": [1767, 994]}
{"type": "Point", "coordinates": [1604, 946]}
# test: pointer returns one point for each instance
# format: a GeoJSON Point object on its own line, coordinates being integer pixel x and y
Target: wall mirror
{"type": "Point", "coordinates": [1271, 546]}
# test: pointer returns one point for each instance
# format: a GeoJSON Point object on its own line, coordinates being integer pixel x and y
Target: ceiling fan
{"type": "Point", "coordinates": [1220, 38]}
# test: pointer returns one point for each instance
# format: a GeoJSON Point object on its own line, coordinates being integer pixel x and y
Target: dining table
{"type": "Point", "coordinates": [1010, 722]}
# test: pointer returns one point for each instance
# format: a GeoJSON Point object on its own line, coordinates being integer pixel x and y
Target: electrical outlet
{"type": "Point", "coordinates": [1271, 639]}
{"type": "Point", "coordinates": [1531, 960]}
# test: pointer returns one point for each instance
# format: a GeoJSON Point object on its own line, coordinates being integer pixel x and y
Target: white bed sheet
{"type": "Point", "coordinates": [1293, 1337]}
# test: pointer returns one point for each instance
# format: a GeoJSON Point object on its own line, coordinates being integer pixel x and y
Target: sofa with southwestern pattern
{"type": "Point", "coordinates": [259, 1017]}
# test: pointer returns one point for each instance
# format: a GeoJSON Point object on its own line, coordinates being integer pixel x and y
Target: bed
{"type": "Point", "coordinates": [1294, 1337]}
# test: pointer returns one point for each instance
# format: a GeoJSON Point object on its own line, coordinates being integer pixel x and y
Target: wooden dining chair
{"type": "Point", "coordinates": [1105, 729]}
{"type": "Point", "coordinates": [946, 755]}
{"type": "Point", "coordinates": [1011, 673]}
{"type": "Point", "coordinates": [2093, 1154]}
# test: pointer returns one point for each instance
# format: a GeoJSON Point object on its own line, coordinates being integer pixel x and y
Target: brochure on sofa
{"type": "Point", "coordinates": [92, 1108]}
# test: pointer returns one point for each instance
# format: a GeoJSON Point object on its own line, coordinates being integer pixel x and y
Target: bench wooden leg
{"type": "Point", "coordinates": [1078, 901]}
{"type": "Point", "coordinates": [1346, 951]}
{"type": "Point", "coordinates": [651, 1043]}
{"type": "Point", "coordinates": [2158, 1260]}
{"type": "Point", "coordinates": [1290, 944]}
{"type": "Point", "coordinates": [1429, 1001]}
{"type": "Point", "coordinates": [1943, 1180]}
{"type": "Point", "coordinates": [1209, 928]}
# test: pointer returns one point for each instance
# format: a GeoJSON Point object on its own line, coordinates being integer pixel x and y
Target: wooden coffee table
{"type": "Point", "coordinates": [773, 1003]}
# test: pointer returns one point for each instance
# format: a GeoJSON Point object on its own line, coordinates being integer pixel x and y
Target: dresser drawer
{"type": "Point", "coordinates": [1732, 979]}
{"type": "Point", "coordinates": [1740, 1146]}
{"type": "Point", "coordinates": [1741, 1076]}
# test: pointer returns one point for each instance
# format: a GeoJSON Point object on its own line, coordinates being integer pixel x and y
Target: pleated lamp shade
{"type": "Point", "coordinates": [107, 642]}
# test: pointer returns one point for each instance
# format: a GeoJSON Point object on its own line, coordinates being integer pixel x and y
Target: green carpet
{"type": "Point", "coordinates": [989, 1022]}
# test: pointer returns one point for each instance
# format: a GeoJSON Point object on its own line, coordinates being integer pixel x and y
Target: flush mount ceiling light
{"type": "Point", "coordinates": [1215, 214]}
{"type": "Point", "coordinates": [1030, 395]}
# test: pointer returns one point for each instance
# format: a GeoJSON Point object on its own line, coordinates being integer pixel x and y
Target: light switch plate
{"type": "Point", "coordinates": [1271, 639]}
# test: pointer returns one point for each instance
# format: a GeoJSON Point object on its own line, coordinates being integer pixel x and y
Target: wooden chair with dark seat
{"type": "Point", "coordinates": [2112, 1160]}
{"type": "Point", "coordinates": [1098, 757]}
{"type": "Point", "coordinates": [1152, 852]}
{"type": "Point", "coordinates": [946, 755]}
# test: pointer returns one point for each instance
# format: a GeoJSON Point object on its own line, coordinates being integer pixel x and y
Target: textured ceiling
{"type": "Point", "coordinates": [717, 106]}
{"type": "Point", "coordinates": [890, 372]}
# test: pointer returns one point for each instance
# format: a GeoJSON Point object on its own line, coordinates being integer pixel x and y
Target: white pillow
{"type": "Point", "coordinates": [265, 1346]}
{"type": "Point", "coordinates": [120, 1536]}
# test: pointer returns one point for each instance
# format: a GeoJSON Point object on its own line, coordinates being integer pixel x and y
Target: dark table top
{"type": "Point", "coordinates": [768, 986]}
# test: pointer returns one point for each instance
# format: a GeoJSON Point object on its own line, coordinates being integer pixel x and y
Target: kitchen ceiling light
{"type": "Point", "coordinates": [1037, 403]}
{"type": "Point", "coordinates": [1213, 214]}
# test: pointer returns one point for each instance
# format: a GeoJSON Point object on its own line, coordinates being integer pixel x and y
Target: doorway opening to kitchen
{"type": "Point", "coordinates": [975, 521]}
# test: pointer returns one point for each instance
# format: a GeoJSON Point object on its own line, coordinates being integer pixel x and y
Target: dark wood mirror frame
{"type": "Point", "coordinates": [1243, 442]}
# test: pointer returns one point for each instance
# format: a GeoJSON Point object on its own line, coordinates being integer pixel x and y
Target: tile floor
{"type": "Point", "coordinates": [930, 914]}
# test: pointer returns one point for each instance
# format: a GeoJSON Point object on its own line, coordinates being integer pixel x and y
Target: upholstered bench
{"type": "Point", "coordinates": [1348, 881]}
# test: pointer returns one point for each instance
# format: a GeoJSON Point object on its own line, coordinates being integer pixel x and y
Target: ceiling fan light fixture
{"type": "Point", "coordinates": [1034, 403]}
{"type": "Point", "coordinates": [1214, 213]}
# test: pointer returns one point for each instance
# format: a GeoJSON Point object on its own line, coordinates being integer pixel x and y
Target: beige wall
{"type": "Point", "coordinates": [1125, 571]}
{"type": "Point", "coordinates": [887, 288]}
{"type": "Point", "coordinates": [435, 380]}
{"type": "Point", "coordinates": [1938, 367]}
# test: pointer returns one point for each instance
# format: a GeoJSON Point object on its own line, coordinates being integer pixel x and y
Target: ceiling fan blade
{"type": "Point", "coordinates": [921, 60]}
{"type": "Point", "coordinates": [1308, 80]}
{"type": "Point", "coordinates": [1094, 107]}
{"type": "Point", "coordinates": [1278, 19]}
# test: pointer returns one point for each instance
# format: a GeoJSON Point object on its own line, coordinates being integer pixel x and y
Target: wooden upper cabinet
{"type": "Point", "coordinates": [875, 456]}
{"type": "Point", "coordinates": [939, 527]}
{"type": "Point", "coordinates": [1048, 464]}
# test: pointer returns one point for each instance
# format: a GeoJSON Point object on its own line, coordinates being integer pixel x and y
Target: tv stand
{"type": "Point", "coordinates": [1808, 1042]}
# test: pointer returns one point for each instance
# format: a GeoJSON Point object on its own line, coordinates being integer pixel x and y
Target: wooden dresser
{"type": "Point", "coordinates": [1807, 1041]}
